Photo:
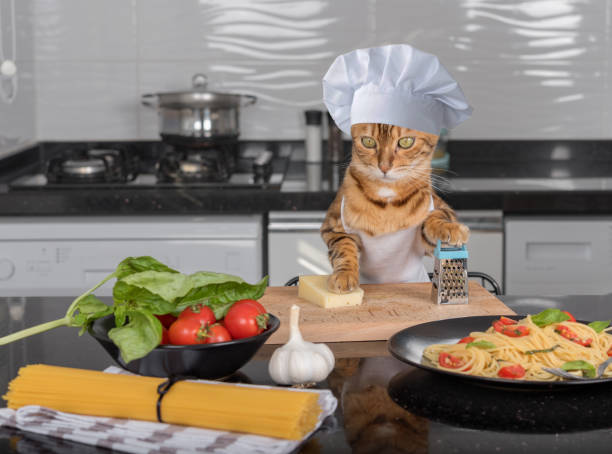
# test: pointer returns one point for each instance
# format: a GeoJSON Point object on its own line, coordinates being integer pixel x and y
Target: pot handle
{"type": "Point", "coordinates": [149, 100]}
{"type": "Point", "coordinates": [249, 100]}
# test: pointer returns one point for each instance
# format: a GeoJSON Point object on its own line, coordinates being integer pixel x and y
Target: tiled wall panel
{"type": "Point", "coordinates": [531, 68]}
{"type": "Point", "coordinates": [17, 118]}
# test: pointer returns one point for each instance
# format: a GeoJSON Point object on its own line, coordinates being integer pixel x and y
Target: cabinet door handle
{"type": "Point", "coordinates": [294, 226]}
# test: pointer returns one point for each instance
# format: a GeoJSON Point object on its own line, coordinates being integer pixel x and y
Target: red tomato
{"type": "Point", "coordinates": [466, 340]}
{"type": "Point", "coordinates": [166, 319]}
{"type": "Point", "coordinates": [449, 361]}
{"type": "Point", "coordinates": [514, 371]}
{"type": "Point", "coordinates": [245, 319]}
{"type": "Point", "coordinates": [567, 333]}
{"type": "Point", "coordinates": [199, 312]}
{"type": "Point", "coordinates": [187, 331]}
{"type": "Point", "coordinates": [255, 303]}
{"type": "Point", "coordinates": [165, 339]}
{"type": "Point", "coordinates": [498, 325]}
{"type": "Point", "coordinates": [610, 351]}
{"type": "Point", "coordinates": [571, 317]}
{"type": "Point", "coordinates": [515, 331]}
{"type": "Point", "coordinates": [217, 333]}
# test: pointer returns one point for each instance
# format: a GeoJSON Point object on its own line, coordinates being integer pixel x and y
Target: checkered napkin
{"type": "Point", "coordinates": [144, 437]}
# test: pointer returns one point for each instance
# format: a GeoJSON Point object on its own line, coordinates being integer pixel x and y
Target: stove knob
{"type": "Point", "coordinates": [7, 269]}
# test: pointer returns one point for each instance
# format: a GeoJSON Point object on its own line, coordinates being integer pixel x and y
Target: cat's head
{"type": "Point", "coordinates": [392, 153]}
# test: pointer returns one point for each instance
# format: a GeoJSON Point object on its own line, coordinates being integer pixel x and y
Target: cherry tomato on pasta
{"type": "Point", "coordinates": [571, 317]}
{"type": "Point", "coordinates": [513, 371]}
{"type": "Point", "coordinates": [569, 334]}
{"type": "Point", "coordinates": [498, 325]}
{"type": "Point", "coordinates": [466, 340]}
{"type": "Point", "coordinates": [450, 361]}
{"type": "Point", "coordinates": [515, 331]}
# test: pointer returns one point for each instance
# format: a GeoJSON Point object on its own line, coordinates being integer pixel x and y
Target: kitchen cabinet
{"type": "Point", "coordinates": [558, 255]}
{"type": "Point", "coordinates": [67, 255]}
{"type": "Point", "coordinates": [295, 246]}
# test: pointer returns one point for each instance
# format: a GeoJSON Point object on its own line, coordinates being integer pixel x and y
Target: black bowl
{"type": "Point", "coordinates": [209, 361]}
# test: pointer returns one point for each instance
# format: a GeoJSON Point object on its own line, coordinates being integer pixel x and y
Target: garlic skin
{"type": "Point", "coordinates": [299, 361]}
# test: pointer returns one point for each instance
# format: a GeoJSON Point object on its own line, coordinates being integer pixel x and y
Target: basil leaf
{"type": "Point", "coordinates": [548, 317]}
{"type": "Point", "coordinates": [220, 297]}
{"type": "Point", "coordinates": [480, 344]}
{"type": "Point", "coordinates": [133, 265]}
{"type": "Point", "coordinates": [169, 286]}
{"type": "Point", "coordinates": [138, 337]}
{"type": "Point", "coordinates": [543, 350]}
{"type": "Point", "coordinates": [587, 368]}
{"type": "Point", "coordinates": [202, 278]}
{"type": "Point", "coordinates": [120, 314]}
{"type": "Point", "coordinates": [133, 297]}
{"type": "Point", "coordinates": [599, 326]}
{"type": "Point", "coordinates": [89, 309]}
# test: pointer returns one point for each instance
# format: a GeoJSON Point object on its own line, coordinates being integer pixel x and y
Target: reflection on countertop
{"type": "Point", "coordinates": [385, 406]}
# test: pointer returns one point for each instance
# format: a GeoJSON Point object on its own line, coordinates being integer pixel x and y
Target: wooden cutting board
{"type": "Point", "coordinates": [386, 309]}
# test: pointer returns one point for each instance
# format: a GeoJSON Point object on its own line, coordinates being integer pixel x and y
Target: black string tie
{"type": "Point", "coordinates": [163, 389]}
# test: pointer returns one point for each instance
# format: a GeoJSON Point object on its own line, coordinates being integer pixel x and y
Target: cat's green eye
{"type": "Point", "coordinates": [406, 142]}
{"type": "Point", "coordinates": [368, 142]}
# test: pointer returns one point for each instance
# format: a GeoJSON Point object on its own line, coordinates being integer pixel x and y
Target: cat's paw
{"type": "Point", "coordinates": [343, 282]}
{"type": "Point", "coordinates": [453, 233]}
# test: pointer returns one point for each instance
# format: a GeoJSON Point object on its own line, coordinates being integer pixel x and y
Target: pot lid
{"type": "Point", "coordinates": [197, 98]}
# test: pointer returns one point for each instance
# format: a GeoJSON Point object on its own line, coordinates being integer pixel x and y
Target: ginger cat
{"type": "Point", "coordinates": [386, 202]}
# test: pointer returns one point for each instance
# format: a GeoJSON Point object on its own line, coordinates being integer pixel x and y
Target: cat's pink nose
{"type": "Point", "coordinates": [384, 168]}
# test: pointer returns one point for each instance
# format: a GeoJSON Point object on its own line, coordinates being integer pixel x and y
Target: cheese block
{"type": "Point", "coordinates": [314, 289]}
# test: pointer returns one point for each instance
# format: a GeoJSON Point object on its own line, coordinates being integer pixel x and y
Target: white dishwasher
{"type": "Point", "coordinates": [558, 255]}
{"type": "Point", "coordinates": [64, 256]}
{"type": "Point", "coordinates": [295, 246]}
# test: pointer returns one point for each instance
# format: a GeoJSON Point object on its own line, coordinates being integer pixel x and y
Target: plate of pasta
{"type": "Point", "coordinates": [547, 349]}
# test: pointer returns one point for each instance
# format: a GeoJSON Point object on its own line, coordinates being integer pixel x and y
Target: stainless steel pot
{"type": "Point", "coordinates": [198, 114]}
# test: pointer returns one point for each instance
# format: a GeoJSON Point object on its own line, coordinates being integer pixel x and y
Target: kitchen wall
{"type": "Point", "coordinates": [17, 108]}
{"type": "Point", "coordinates": [531, 69]}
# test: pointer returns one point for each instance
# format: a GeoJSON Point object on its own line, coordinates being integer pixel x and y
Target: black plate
{"type": "Point", "coordinates": [209, 361]}
{"type": "Point", "coordinates": [408, 344]}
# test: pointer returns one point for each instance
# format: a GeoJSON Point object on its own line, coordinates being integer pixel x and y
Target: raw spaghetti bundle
{"type": "Point", "coordinates": [519, 349]}
{"type": "Point", "coordinates": [273, 412]}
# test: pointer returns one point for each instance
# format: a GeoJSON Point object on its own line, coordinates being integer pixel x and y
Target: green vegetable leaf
{"type": "Point", "coordinates": [202, 278]}
{"type": "Point", "coordinates": [133, 265]}
{"type": "Point", "coordinates": [599, 326]}
{"type": "Point", "coordinates": [138, 337]}
{"type": "Point", "coordinates": [220, 297]}
{"type": "Point", "coordinates": [89, 309]}
{"type": "Point", "coordinates": [129, 297]}
{"type": "Point", "coordinates": [481, 344]}
{"type": "Point", "coordinates": [169, 286]}
{"type": "Point", "coordinates": [548, 317]}
{"type": "Point", "coordinates": [543, 350]}
{"type": "Point", "coordinates": [587, 368]}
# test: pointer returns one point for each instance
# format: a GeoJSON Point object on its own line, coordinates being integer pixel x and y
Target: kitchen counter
{"type": "Point", "coordinates": [440, 414]}
{"type": "Point", "coordinates": [516, 177]}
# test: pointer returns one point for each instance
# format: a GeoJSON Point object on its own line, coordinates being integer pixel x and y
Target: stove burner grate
{"type": "Point", "coordinates": [95, 165]}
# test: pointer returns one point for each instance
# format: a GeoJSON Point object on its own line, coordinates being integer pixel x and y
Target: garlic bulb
{"type": "Point", "coordinates": [299, 361]}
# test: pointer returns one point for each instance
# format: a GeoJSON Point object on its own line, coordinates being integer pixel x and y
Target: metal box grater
{"type": "Point", "coordinates": [450, 278]}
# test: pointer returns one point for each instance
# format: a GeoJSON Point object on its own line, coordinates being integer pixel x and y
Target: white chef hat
{"type": "Point", "coordinates": [395, 84]}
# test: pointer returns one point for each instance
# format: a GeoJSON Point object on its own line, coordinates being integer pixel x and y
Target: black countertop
{"type": "Point", "coordinates": [435, 414]}
{"type": "Point", "coordinates": [516, 177]}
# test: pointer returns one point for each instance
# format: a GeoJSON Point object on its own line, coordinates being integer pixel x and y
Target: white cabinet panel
{"type": "Point", "coordinates": [295, 245]}
{"type": "Point", "coordinates": [557, 255]}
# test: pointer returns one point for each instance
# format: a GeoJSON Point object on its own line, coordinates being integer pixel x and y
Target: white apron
{"type": "Point", "coordinates": [391, 257]}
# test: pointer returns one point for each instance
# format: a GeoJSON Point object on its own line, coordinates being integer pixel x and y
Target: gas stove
{"type": "Point", "coordinates": [157, 165]}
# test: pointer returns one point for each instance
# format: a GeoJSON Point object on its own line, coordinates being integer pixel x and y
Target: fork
{"type": "Point", "coordinates": [565, 374]}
